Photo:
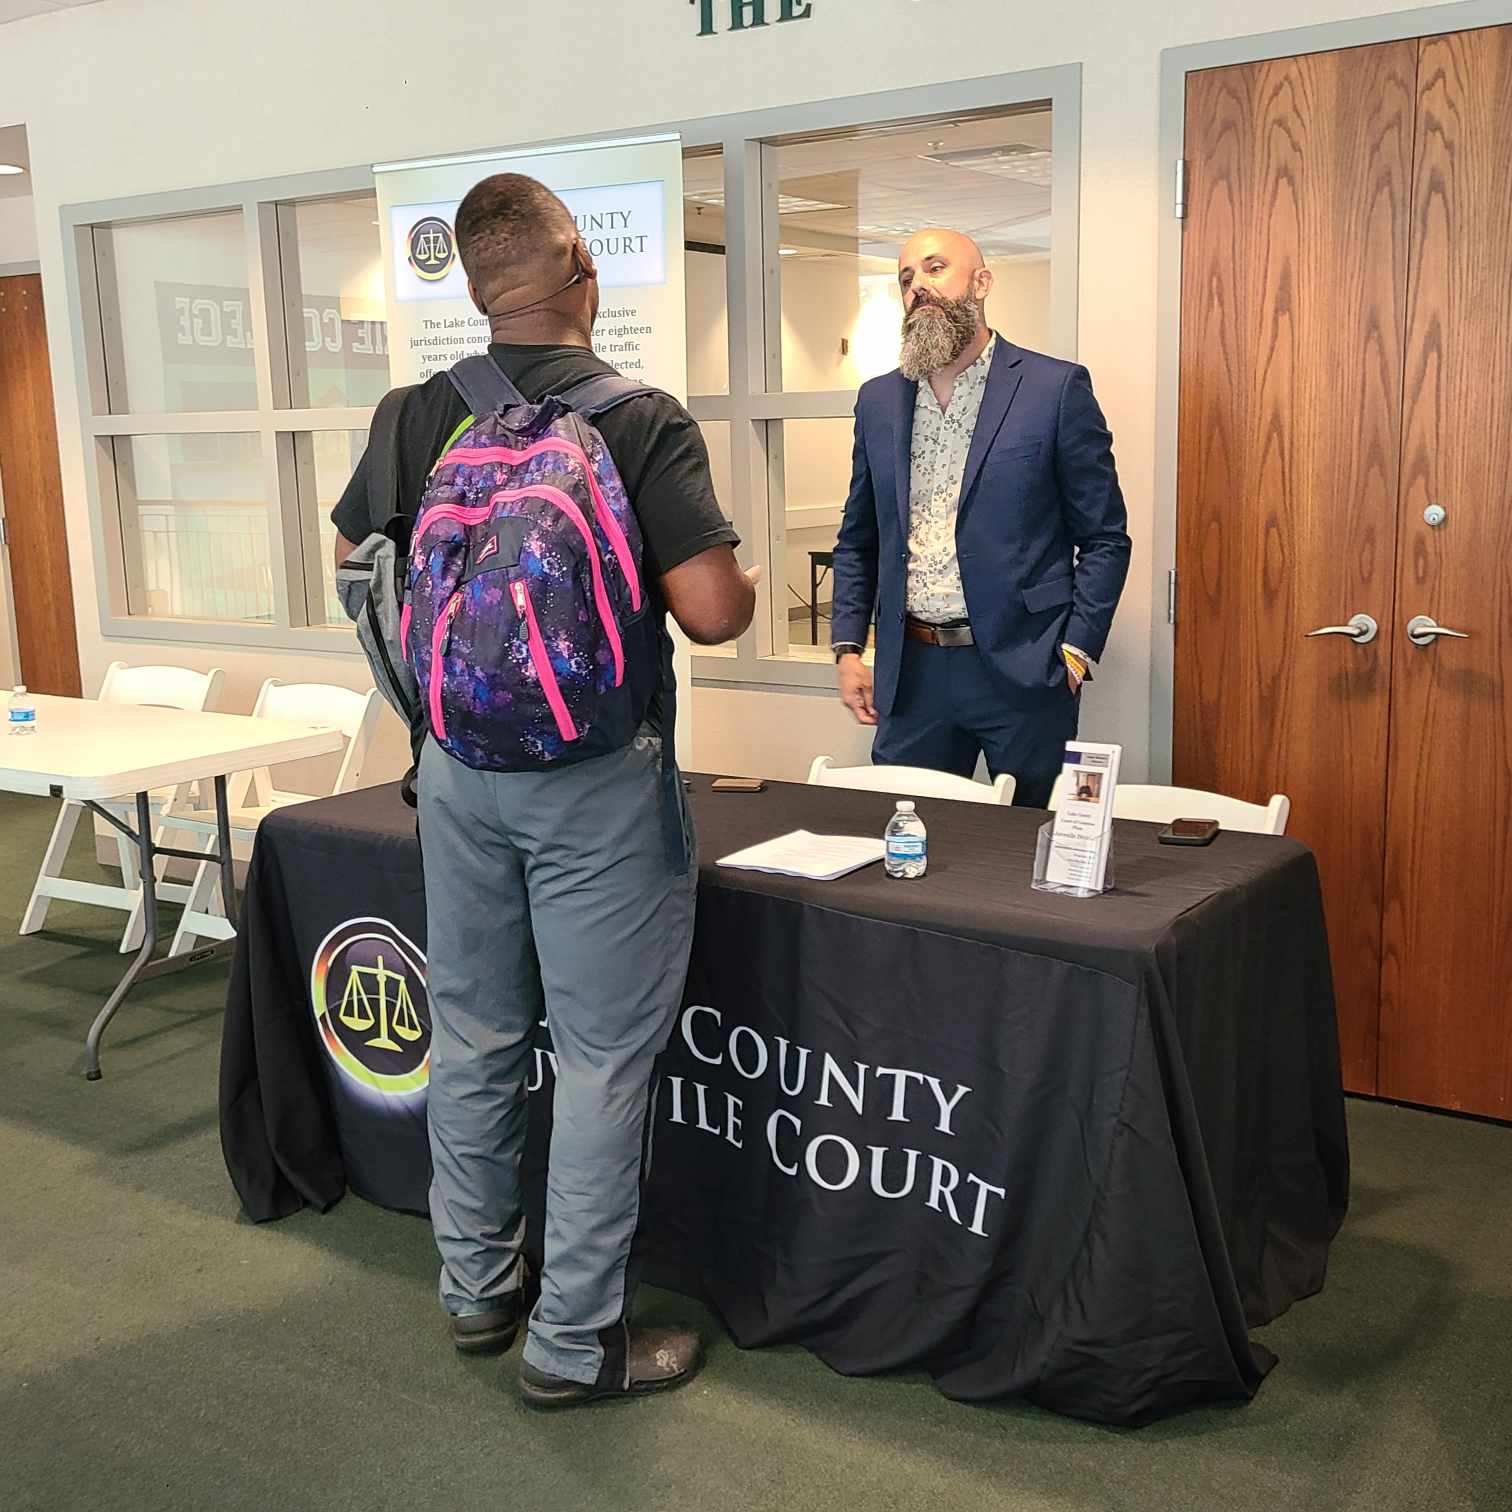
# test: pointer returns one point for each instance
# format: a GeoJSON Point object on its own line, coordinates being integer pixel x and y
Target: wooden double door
{"type": "Point", "coordinates": [1345, 455]}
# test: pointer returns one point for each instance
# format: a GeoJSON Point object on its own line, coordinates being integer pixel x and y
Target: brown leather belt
{"type": "Point", "coordinates": [939, 635]}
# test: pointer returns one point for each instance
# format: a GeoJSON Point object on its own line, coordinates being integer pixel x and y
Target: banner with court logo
{"type": "Point", "coordinates": [626, 198]}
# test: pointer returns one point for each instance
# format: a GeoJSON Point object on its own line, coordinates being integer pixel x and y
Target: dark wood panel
{"type": "Point", "coordinates": [47, 643]}
{"type": "Point", "coordinates": [1294, 275]}
{"type": "Point", "coordinates": [1447, 975]}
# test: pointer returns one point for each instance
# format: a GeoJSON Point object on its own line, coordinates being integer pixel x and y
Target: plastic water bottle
{"type": "Point", "coordinates": [23, 713]}
{"type": "Point", "coordinates": [907, 843]}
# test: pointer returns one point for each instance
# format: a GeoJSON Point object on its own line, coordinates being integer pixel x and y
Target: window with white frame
{"type": "Point", "coordinates": [808, 309]}
{"type": "Point", "coordinates": [238, 353]}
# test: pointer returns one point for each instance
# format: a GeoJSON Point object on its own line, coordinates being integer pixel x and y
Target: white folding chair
{"type": "Point", "coordinates": [251, 796]}
{"type": "Point", "coordinates": [158, 687]}
{"type": "Point", "coordinates": [910, 782]}
{"type": "Point", "coordinates": [1160, 805]}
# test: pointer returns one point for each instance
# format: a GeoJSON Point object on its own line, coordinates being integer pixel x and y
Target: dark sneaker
{"type": "Point", "coordinates": [491, 1332]}
{"type": "Point", "coordinates": [660, 1358]}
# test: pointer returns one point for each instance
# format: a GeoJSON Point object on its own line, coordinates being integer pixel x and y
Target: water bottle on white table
{"type": "Point", "coordinates": [23, 713]}
{"type": "Point", "coordinates": [907, 843]}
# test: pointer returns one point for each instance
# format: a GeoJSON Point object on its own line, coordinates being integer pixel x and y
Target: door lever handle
{"type": "Point", "coordinates": [1423, 630]}
{"type": "Point", "coordinates": [1362, 629]}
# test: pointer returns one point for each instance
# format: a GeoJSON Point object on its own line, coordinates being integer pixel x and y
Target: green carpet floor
{"type": "Point", "coordinates": [158, 1351]}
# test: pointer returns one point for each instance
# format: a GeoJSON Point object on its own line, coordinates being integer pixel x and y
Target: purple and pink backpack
{"type": "Point", "coordinates": [525, 615]}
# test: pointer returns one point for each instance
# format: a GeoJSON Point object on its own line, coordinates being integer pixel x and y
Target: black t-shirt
{"type": "Point", "coordinates": [656, 445]}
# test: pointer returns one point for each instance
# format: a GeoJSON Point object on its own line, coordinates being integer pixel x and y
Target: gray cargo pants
{"type": "Point", "coordinates": [570, 890]}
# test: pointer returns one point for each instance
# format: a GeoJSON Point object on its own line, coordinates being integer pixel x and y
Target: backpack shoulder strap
{"type": "Point", "coordinates": [483, 386]}
{"type": "Point", "coordinates": [595, 396]}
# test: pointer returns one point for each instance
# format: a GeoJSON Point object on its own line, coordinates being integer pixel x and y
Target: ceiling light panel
{"type": "Point", "coordinates": [1029, 165]}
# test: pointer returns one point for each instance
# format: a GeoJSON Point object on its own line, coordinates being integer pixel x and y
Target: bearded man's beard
{"type": "Point", "coordinates": [935, 333]}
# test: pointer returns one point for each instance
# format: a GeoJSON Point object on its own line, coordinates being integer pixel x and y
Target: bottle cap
{"type": "Point", "coordinates": [905, 806]}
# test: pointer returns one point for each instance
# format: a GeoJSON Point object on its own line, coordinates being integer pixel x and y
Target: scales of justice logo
{"type": "Point", "coordinates": [432, 248]}
{"type": "Point", "coordinates": [367, 987]}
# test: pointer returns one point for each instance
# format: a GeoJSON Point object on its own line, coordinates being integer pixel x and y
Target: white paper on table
{"type": "Point", "coordinates": [818, 858]}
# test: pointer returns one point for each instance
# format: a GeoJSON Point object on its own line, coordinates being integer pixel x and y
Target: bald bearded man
{"type": "Point", "coordinates": [984, 534]}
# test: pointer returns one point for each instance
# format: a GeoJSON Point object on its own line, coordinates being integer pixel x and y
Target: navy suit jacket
{"type": "Point", "coordinates": [1040, 534]}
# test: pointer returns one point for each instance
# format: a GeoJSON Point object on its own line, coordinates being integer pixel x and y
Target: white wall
{"type": "Point", "coordinates": [127, 97]}
{"type": "Point", "coordinates": [18, 229]}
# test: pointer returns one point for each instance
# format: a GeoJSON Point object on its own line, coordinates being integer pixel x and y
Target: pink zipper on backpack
{"type": "Point", "coordinates": [541, 658]}
{"type": "Point", "coordinates": [473, 514]}
{"type": "Point", "coordinates": [474, 456]}
{"type": "Point", "coordinates": [437, 675]}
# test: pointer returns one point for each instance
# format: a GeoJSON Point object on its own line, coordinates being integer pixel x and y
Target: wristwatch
{"type": "Point", "coordinates": [846, 648]}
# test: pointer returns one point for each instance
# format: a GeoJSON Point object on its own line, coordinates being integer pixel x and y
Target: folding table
{"type": "Point", "coordinates": [91, 751]}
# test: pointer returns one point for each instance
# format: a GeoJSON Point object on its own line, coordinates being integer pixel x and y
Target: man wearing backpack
{"type": "Point", "coordinates": [558, 856]}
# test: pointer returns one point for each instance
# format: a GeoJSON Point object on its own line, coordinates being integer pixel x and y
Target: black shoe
{"type": "Point", "coordinates": [490, 1332]}
{"type": "Point", "coordinates": [660, 1358]}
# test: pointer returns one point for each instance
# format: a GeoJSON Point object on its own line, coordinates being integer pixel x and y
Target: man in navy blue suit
{"type": "Point", "coordinates": [984, 533]}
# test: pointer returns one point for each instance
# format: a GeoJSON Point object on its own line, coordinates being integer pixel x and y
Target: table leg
{"type": "Point", "coordinates": [147, 868]}
{"type": "Point", "coordinates": [813, 598]}
{"type": "Point", "coordinates": [227, 860]}
{"type": "Point", "coordinates": [143, 967]}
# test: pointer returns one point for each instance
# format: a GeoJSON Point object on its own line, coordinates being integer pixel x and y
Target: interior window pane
{"type": "Point", "coordinates": [708, 304]}
{"type": "Point", "coordinates": [324, 462]}
{"type": "Point", "coordinates": [847, 203]}
{"type": "Point", "coordinates": [335, 314]}
{"type": "Point", "coordinates": [816, 465]}
{"type": "Point", "coordinates": [176, 314]}
{"type": "Point", "coordinates": [195, 527]}
{"type": "Point", "coordinates": [716, 434]}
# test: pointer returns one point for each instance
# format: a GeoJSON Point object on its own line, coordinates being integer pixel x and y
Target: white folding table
{"type": "Point", "coordinates": [91, 751]}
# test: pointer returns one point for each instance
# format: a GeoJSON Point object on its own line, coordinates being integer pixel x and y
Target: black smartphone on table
{"type": "Point", "coordinates": [1189, 832]}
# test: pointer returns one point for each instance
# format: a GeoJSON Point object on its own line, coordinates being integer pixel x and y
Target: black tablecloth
{"type": "Point", "coordinates": [1062, 1148]}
